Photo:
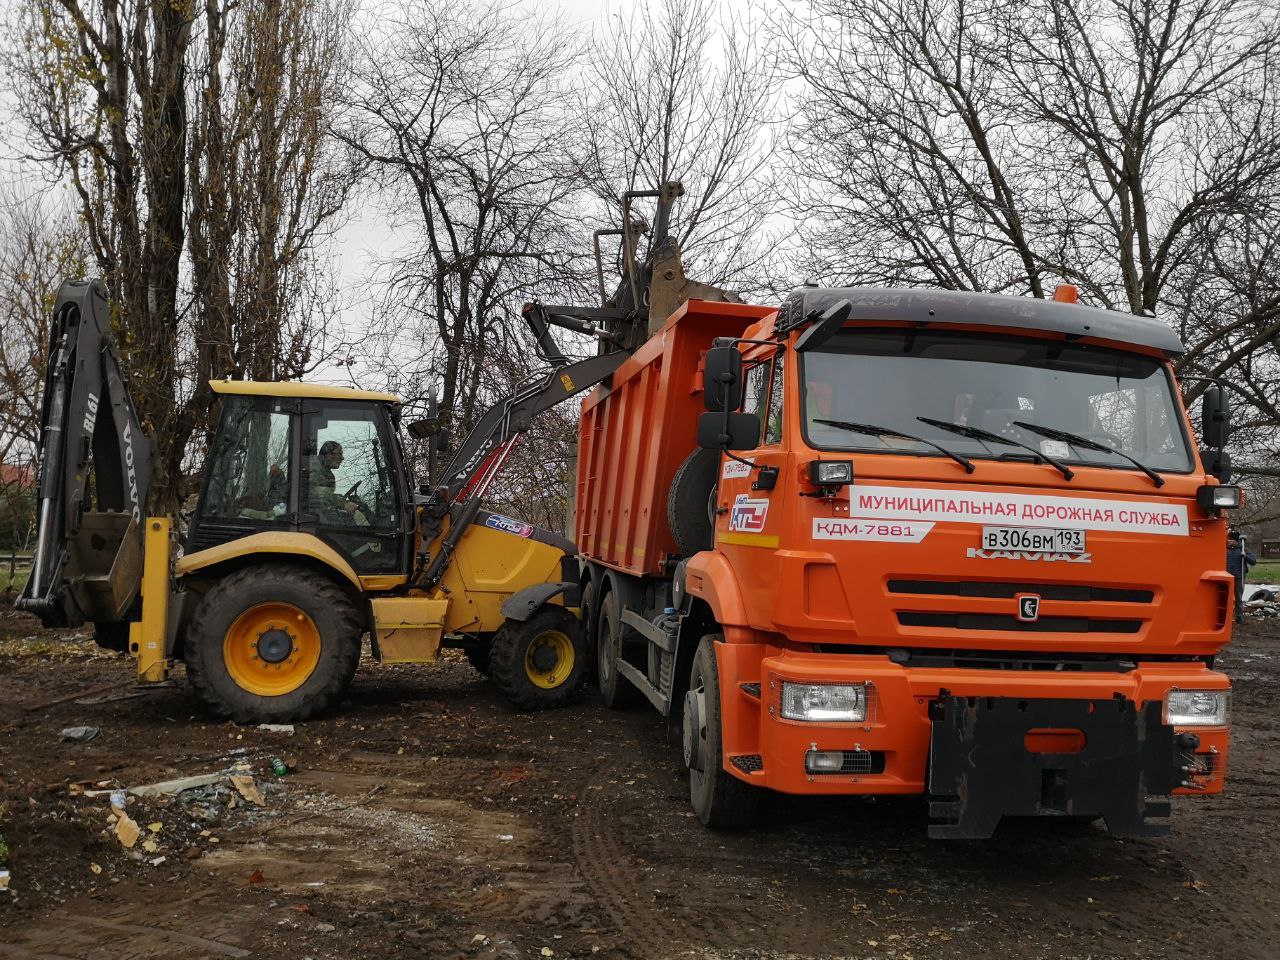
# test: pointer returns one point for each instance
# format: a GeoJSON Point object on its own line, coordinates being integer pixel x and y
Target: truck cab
{"type": "Point", "coordinates": [960, 545]}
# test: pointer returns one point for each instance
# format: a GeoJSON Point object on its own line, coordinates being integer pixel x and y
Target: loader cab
{"type": "Point", "coordinates": [321, 460]}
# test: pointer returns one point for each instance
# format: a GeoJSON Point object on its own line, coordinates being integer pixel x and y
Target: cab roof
{"type": "Point", "coordinates": [984, 309]}
{"type": "Point", "coordinates": [281, 388]}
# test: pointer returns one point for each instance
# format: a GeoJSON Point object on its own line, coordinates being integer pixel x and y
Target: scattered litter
{"type": "Point", "coordinates": [155, 827]}
{"type": "Point", "coordinates": [78, 734]}
{"type": "Point", "coordinates": [4, 880]}
{"type": "Point", "coordinates": [505, 837]}
{"type": "Point", "coordinates": [127, 831]}
{"type": "Point", "coordinates": [314, 883]}
{"type": "Point", "coordinates": [157, 861]}
{"type": "Point", "coordinates": [173, 787]}
{"type": "Point", "coordinates": [277, 728]}
{"type": "Point", "coordinates": [150, 846]}
{"type": "Point", "coordinates": [279, 767]}
{"type": "Point", "coordinates": [95, 868]}
{"type": "Point", "coordinates": [479, 938]}
{"type": "Point", "coordinates": [548, 952]}
{"type": "Point", "coordinates": [119, 798]}
{"type": "Point", "coordinates": [326, 927]}
{"type": "Point", "coordinates": [248, 789]}
{"type": "Point", "coordinates": [256, 876]}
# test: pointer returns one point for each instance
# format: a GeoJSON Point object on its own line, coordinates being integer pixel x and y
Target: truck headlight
{"type": "Point", "coordinates": [1196, 708]}
{"type": "Point", "coordinates": [1220, 496]}
{"type": "Point", "coordinates": [825, 702]}
{"type": "Point", "coordinates": [831, 473]}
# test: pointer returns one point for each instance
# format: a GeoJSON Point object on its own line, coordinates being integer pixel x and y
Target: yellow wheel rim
{"type": "Point", "coordinates": [271, 649]}
{"type": "Point", "coordinates": [548, 661]}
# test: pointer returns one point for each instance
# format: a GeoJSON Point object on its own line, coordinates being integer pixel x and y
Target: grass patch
{"type": "Point", "coordinates": [13, 584]}
{"type": "Point", "coordinates": [1265, 571]}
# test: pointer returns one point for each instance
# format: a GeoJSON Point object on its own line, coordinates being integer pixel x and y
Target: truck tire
{"type": "Point", "coordinates": [616, 692]}
{"type": "Point", "coordinates": [689, 502]}
{"type": "Point", "coordinates": [540, 662]}
{"type": "Point", "coordinates": [273, 644]}
{"type": "Point", "coordinates": [589, 605]}
{"type": "Point", "coordinates": [720, 800]}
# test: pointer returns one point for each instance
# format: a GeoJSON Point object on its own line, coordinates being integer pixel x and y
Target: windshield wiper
{"type": "Point", "coordinates": [986, 436]}
{"type": "Point", "coordinates": [1053, 433]}
{"type": "Point", "coordinates": [873, 431]}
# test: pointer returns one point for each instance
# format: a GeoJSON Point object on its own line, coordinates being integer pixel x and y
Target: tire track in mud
{"type": "Point", "coordinates": [716, 922]}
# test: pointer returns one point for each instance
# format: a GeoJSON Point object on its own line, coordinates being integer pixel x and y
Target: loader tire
{"type": "Point", "coordinates": [273, 644]}
{"type": "Point", "coordinates": [541, 662]}
{"type": "Point", "coordinates": [478, 654]}
{"type": "Point", "coordinates": [616, 691]}
{"type": "Point", "coordinates": [690, 512]}
{"type": "Point", "coordinates": [720, 800]}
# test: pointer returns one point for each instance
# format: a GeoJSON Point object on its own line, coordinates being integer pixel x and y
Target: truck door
{"type": "Point", "coordinates": [351, 491]}
{"type": "Point", "coordinates": [749, 511]}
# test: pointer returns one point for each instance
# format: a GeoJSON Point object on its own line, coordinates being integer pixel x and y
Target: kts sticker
{"type": "Point", "coordinates": [507, 525]}
{"type": "Point", "coordinates": [736, 470]}
{"type": "Point", "coordinates": [748, 515]}
{"type": "Point", "coordinates": [857, 528]}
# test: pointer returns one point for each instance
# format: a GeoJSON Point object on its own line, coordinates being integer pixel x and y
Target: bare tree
{"type": "Point", "coordinates": [683, 90]}
{"type": "Point", "coordinates": [461, 111]}
{"type": "Point", "coordinates": [196, 142]}
{"type": "Point", "coordinates": [267, 185]}
{"type": "Point", "coordinates": [1130, 148]}
{"type": "Point", "coordinates": [41, 245]}
{"type": "Point", "coordinates": [101, 87]}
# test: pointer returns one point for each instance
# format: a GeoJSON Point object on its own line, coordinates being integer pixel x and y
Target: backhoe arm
{"type": "Point", "coordinates": [95, 471]}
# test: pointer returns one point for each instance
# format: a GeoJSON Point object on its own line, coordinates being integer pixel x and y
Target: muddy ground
{"type": "Point", "coordinates": [428, 820]}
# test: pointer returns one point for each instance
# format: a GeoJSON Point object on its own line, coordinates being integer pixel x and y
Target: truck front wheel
{"type": "Point", "coordinates": [539, 662]}
{"type": "Point", "coordinates": [719, 799]}
{"type": "Point", "coordinates": [273, 644]}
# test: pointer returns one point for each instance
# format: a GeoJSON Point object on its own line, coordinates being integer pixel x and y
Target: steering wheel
{"type": "Point", "coordinates": [362, 512]}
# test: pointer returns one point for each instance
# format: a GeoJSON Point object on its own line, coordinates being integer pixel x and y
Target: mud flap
{"type": "Point", "coordinates": [981, 770]}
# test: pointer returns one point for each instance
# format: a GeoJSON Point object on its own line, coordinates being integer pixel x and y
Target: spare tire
{"type": "Point", "coordinates": [690, 506]}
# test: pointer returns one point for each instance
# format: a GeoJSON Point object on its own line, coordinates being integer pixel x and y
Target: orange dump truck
{"type": "Point", "coordinates": [914, 542]}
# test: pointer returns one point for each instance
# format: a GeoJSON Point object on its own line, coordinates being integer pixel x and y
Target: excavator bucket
{"type": "Point", "coordinates": [95, 470]}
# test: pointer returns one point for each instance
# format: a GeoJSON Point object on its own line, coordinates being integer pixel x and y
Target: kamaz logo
{"type": "Point", "coordinates": [977, 553]}
{"type": "Point", "coordinates": [1028, 607]}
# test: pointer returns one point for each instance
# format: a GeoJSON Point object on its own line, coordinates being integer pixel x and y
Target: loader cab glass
{"type": "Point", "coordinates": [893, 378]}
{"type": "Point", "coordinates": [349, 489]}
{"type": "Point", "coordinates": [248, 475]}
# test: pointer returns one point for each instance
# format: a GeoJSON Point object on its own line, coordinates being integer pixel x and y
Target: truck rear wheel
{"type": "Point", "coordinates": [616, 692]}
{"type": "Point", "coordinates": [539, 662]}
{"type": "Point", "coordinates": [271, 644]}
{"type": "Point", "coordinates": [719, 799]}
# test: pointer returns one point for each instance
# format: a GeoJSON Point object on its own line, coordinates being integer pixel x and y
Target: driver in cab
{"type": "Point", "coordinates": [323, 488]}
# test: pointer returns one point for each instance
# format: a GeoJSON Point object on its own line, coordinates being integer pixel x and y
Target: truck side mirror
{"type": "Point", "coordinates": [723, 430]}
{"type": "Point", "coordinates": [722, 380]}
{"type": "Point", "coordinates": [825, 326]}
{"type": "Point", "coordinates": [1215, 416]}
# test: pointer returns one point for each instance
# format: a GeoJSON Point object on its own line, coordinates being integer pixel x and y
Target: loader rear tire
{"type": "Point", "coordinates": [689, 502]}
{"type": "Point", "coordinates": [720, 800]}
{"type": "Point", "coordinates": [541, 662]}
{"type": "Point", "coordinates": [273, 644]}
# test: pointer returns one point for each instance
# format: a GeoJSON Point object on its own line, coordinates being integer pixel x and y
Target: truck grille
{"type": "Point", "coordinates": [999, 590]}
{"type": "Point", "coordinates": [996, 621]}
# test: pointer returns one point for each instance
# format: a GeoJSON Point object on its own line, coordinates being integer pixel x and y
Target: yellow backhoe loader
{"type": "Point", "coordinates": [308, 535]}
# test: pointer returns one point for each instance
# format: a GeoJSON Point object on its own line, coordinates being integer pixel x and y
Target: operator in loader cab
{"type": "Point", "coordinates": [324, 494]}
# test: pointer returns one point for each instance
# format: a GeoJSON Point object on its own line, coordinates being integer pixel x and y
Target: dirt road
{"type": "Point", "coordinates": [427, 820]}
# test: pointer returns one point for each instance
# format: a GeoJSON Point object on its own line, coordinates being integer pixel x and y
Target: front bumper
{"type": "Point", "coordinates": [1127, 750]}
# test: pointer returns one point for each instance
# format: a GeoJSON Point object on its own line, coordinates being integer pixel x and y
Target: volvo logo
{"type": "Point", "coordinates": [1028, 607]}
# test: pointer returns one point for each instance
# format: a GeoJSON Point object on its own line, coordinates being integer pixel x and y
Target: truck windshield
{"type": "Point", "coordinates": [893, 378]}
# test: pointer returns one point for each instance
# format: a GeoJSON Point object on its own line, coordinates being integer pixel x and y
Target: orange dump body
{"type": "Point", "coordinates": [884, 583]}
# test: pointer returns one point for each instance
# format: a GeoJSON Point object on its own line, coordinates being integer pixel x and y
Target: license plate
{"type": "Point", "coordinates": [1040, 539]}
